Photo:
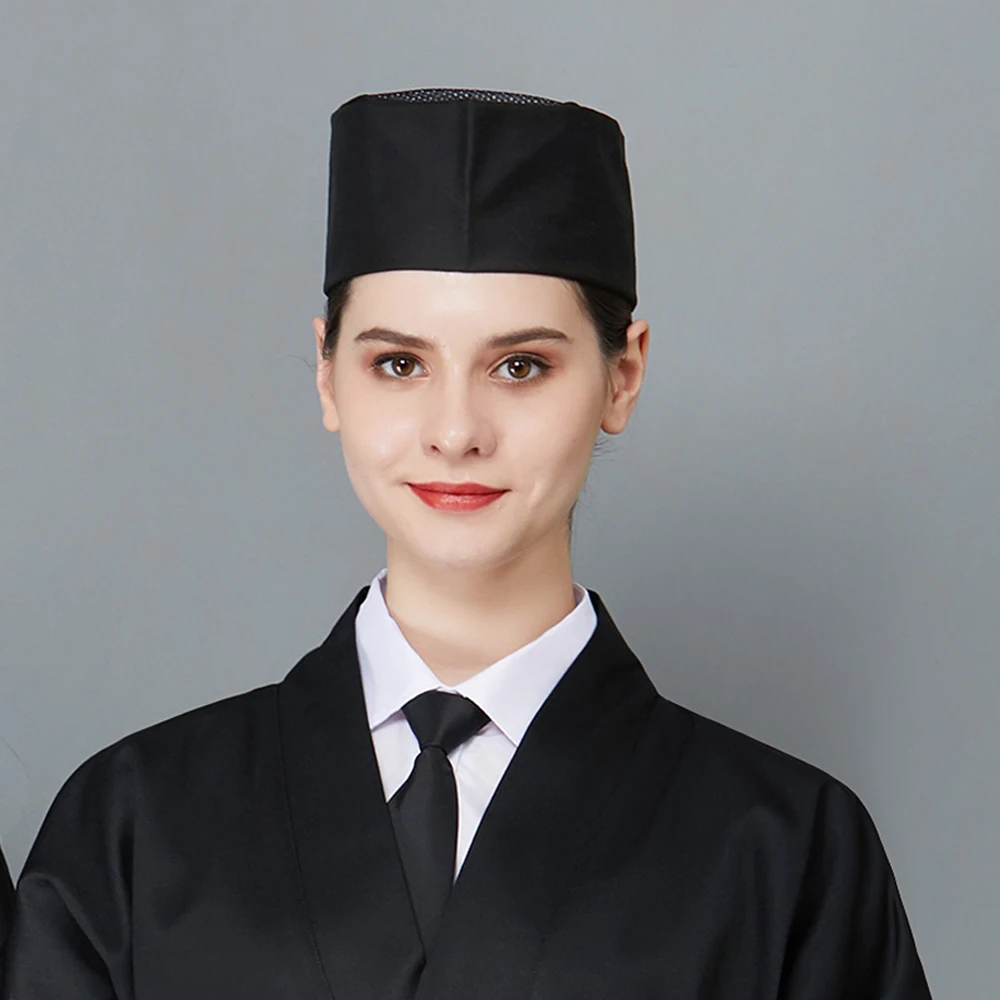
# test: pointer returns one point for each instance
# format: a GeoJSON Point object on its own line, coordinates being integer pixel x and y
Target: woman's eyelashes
{"type": "Point", "coordinates": [516, 368]}
{"type": "Point", "coordinates": [397, 366]}
{"type": "Point", "coordinates": [521, 368]}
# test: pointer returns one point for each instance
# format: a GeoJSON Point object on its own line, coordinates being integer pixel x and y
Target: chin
{"type": "Point", "coordinates": [456, 551]}
{"type": "Point", "coordinates": [458, 558]}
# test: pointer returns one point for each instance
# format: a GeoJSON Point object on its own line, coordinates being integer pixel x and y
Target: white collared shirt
{"type": "Point", "coordinates": [510, 692]}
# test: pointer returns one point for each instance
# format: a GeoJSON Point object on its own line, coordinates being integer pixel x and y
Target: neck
{"type": "Point", "coordinates": [459, 622]}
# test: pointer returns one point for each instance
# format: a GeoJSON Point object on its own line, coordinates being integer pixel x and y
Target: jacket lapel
{"type": "Point", "coordinates": [353, 882]}
{"type": "Point", "coordinates": [534, 835]}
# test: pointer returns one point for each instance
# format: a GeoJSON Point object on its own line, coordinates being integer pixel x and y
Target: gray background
{"type": "Point", "coordinates": [799, 532]}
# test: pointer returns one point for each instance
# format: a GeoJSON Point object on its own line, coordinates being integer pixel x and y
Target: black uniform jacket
{"type": "Point", "coordinates": [6, 899]}
{"type": "Point", "coordinates": [632, 850]}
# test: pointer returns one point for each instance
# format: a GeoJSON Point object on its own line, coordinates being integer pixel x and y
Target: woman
{"type": "Point", "coordinates": [471, 788]}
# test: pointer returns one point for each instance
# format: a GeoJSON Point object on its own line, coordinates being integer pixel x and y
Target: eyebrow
{"type": "Point", "coordinates": [379, 334]}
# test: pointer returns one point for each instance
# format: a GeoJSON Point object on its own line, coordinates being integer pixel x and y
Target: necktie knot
{"type": "Point", "coordinates": [443, 719]}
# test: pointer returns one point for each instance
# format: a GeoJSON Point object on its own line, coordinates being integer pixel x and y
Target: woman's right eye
{"type": "Point", "coordinates": [398, 366]}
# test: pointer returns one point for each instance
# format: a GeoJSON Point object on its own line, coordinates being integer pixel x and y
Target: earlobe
{"type": "Point", "coordinates": [324, 380]}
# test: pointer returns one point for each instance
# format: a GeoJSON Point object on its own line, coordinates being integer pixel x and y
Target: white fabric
{"type": "Point", "coordinates": [510, 692]}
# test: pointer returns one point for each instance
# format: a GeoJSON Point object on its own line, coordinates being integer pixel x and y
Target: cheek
{"type": "Point", "coordinates": [570, 457]}
{"type": "Point", "coordinates": [556, 442]}
{"type": "Point", "coordinates": [374, 434]}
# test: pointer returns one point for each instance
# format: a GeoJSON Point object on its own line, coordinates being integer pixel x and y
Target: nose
{"type": "Point", "coordinates": [457, 422]}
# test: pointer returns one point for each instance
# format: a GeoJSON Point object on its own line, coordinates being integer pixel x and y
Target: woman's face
{"type": "Point", "coordinates": [493, 382]}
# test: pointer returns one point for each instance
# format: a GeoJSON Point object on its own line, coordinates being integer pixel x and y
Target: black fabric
{"type": "Point", "coordinates": [6, 901]}
{"type": "Point", "coordinates": [425, 809]}
{"type": "Point", "coordinates": [464, 180]}
{"type": "Point", "coordinates": [632, 850]}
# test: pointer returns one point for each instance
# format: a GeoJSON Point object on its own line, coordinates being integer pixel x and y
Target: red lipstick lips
{"type": "Point", "coordinates": [456, 496]}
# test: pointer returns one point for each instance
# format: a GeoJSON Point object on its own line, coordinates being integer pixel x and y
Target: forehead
{"type": "Point", "coordinates": [440, 303]}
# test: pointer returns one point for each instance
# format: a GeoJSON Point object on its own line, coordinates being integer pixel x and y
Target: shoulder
{"type": "Point", "coordinates": [747, 807]}
{"type": "Point", "coordinates": [199, 732]}
{"type": "Point", "coordinates": [749, 781]}
{"type": "Point", "coordinates": [742, 758]}
{"type": "Point", "coordinates": [751, 819]}
{"type": "Point", "coordinates": [746, 759]}
{"type": "Point", "coordinates": [190, 764]}
{"type": "Point", "coordinates": [181, 759]}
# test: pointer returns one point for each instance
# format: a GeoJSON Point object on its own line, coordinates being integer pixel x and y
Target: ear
{"type": "Point", "coordinates": [627, 371]}
{"type": "Point", "coordinates": [324, 379]}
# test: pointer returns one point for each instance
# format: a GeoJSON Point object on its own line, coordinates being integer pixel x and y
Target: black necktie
{"type": "Point", "coordinates": [425, 809]}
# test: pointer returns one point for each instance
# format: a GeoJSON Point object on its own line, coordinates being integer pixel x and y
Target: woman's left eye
{"type": "Point", "coordinates": [521, 369]}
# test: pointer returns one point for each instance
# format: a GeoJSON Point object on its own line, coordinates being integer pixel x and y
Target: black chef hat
{"type": "Point", "coordinates": [477, 180]}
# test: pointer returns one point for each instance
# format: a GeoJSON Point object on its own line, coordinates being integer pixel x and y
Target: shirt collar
{"type": "Point", "coordinates": [510, 691]}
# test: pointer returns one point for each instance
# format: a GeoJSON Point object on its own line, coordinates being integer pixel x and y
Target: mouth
{"type": "Point", "coordinates": [456, 496]}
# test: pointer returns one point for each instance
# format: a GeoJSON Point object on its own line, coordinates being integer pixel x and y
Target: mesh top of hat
{"type": "Point", "coordinates": [438, 95]}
